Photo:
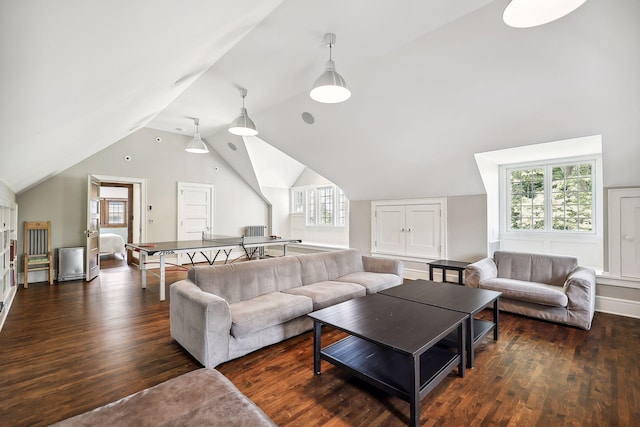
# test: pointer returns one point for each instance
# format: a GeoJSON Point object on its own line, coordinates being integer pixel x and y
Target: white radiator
{"type": "Point", "coordinates": [255, 230]}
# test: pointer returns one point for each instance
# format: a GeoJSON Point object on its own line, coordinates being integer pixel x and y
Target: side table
{"type": "Point", "coordinates": [444, 265]}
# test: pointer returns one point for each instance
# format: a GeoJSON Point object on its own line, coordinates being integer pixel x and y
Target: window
{"type": "Point", "coordinates": [311, 207]}
{"type": "Point", "coordinates": [325, 199]}
{"type": "Point", "coordinates": [554, 197]}
{"type": "Point", "coordinates": [325, 205]}
{"type": "Point", "coordinates": [297, 201]}
{"type": "Point", "coordinates": [113, 213]}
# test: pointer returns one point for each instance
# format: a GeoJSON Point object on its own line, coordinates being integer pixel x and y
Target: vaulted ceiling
{"type": "Point", "coordinates": [433, 82]}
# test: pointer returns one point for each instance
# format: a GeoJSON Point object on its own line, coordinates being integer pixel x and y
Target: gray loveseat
{"type": "Point", "coordinates": [222, 312]}
{"type": "Point", "coordinates": [548, 287]}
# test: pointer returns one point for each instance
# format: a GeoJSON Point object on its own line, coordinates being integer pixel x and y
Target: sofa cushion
{"type": "Point", "coordinates": [373, 282]}
{"type": "Point", "coordinates": [325, 294]}
{"type": "Point", "coordinates": [539, 293]}
{"type": "Point", "coordinates": [549, 269]}
{"type": "Point", "coordinates": [321, 267]}
{"type": "Point", "coordinates": [267, 310]}
{"type": "Point", "coordinates": [246, 280]}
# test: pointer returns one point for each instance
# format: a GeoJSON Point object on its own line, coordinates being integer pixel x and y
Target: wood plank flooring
{"type": "Point", "coordinates": [74, 346]}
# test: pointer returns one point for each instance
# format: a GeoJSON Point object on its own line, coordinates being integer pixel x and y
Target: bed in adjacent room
{"type": "Point", "coordinates": [111, 243]}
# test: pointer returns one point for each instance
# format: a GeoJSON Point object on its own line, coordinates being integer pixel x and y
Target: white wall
{"type": "Point", "coordinates": [6, 193]}
{"type": "Point", "coordinates": [62, 198]}
{"type": "Point", "coordinates": [279, 198]}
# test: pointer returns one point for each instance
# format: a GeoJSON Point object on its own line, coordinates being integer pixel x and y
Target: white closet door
{"type": "Point", "coordinates": [390, 229]}
{"type": "Point", "coordinates": [630, 236]}
{"type": "Point", "coordinates": [423, 231]}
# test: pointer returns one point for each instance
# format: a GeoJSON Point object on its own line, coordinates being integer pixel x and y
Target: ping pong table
{"type": "Point", "coordinates": [208, 244]}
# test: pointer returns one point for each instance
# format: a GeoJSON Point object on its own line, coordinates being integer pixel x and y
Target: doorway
{"type": "Point", "coordinates": [135, 229]}
{"type": "Point", "coordinates": [116, 221]}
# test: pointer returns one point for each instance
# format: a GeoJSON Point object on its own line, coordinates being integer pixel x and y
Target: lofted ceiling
{"type": "Point", "coordinates": [433, 82]}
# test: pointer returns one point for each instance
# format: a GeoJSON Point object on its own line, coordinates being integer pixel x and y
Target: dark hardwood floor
{"type": "Point", "coordinates": [74, 346]}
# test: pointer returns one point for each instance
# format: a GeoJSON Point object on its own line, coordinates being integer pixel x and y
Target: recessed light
{"type": "Point", "coordinates": [308, 118]}
{"type": "Point", "coordinates": [158, 139]}
{"type": "Point", "coordinates": [127, 158]}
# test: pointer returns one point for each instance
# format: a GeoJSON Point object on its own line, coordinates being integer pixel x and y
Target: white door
{"type": "Point", "coordinates": [423, 231]}
{"type": "Point", "coordinates": [630, 236]}
{"type": "Point", "coordinates": [92, 268]}
{"type": "Point", "coordinates": [195, 212]}
{"type": "Point", "coordinates": [390, 229]}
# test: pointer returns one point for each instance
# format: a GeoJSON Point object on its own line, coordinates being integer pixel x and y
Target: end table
{"type": "Point", "coordinates": [444, 265]}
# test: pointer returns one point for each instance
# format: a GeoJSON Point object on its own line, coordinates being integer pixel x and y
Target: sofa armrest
{"type": "Point", "coordinates": [581, 289]}
{"type": "Point", "coordinates": [480, 271]}
{"type": "Point", "coordinates": [383, 265]}
{"type": "Point", "coordinates": [200, 322]}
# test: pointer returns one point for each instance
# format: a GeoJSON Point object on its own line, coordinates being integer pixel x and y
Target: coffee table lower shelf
{"type": "Point", "coordinates": [388, 369]}
{"type": "Point", "coordinates": [480, 329]}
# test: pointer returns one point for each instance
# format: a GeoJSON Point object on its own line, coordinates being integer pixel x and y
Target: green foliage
{"type": "Point", "coordinates": [570, 198]}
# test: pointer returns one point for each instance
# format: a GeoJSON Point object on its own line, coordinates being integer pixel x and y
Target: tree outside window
{"type": "Point", "coordinates": [559, 195]}
{"type": "Point", "coordinates": [325, 199]}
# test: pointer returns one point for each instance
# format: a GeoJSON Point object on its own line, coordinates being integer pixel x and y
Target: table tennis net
{"type": "Point", "coordinates": [230, 240]}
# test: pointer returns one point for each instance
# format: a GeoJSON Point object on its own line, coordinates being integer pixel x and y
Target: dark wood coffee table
{"type": "Point", "coordinates": [392, 344]}
{"type": "Point", "coordinates": [458, 298]}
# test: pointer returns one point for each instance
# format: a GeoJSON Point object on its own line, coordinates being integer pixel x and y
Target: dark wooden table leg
{"type": "Point", "coordinates": [462, 339]}
{"type": "Point", "coordinates": [414, 394]}
{"type": "Point", "coordinates": [496, 318]}
{"type": "Point", "coordinates": [317, 330]}
{"type": "Point", "coordinates": [460, 277]}
{"type": "Point", "coordinates": [431, 272]}
{"type": "Point", "coordinates": [469, 342]}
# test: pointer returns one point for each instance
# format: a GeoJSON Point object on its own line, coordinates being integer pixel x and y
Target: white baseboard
{"type": "Point", "coordinates": [413, 274]}
{"type": "Point", "coordinates": [620, 307]}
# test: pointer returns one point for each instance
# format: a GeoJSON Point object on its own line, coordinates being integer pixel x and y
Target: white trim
{"type": "Point", "coordinates": [620, 282]}
{"type": "Point", "coordinates": [143, 197]}
{"type": "Point", "coordinates": [620, 307]}
{"type": "Point", "coordinates": [7, 304]}
{"type": "Point", "coordinates": [615, 198]}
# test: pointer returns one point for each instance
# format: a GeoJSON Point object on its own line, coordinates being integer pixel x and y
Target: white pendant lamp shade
{"type": "Point", "coordinates": [197, 145]}
{"type": "Point", "coordinates": [243, 125]}
{"type": "Point", "coordinates": [330, 87]}
{"type": "Point", "coordinates": [531, 13]}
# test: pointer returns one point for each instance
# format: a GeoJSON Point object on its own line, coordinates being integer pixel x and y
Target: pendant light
{"type": "Point", "coordinates": [330, 87]}
{"type": "Point", "coordinates": [531, 13]}
{"type": "Point", "coordinates": [243, 125]}
{"type": "Point", "coordinates": [197, 145]}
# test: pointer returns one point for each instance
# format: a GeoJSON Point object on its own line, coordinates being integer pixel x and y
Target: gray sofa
{"type": "Point", "coordinates": [548, 287]}
{"type": "Point", "coordinates": [222, 312]}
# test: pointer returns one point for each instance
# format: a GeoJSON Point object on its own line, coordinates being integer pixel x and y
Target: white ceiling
{"type": "Point", "coordinates": [433, 82]}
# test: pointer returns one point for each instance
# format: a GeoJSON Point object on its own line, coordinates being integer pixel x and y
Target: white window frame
{"type": "Point", "coordinates": [293, 208]}
{"type": "Point", "coordinates": [320, 212]}
{"type": "Point", "coordinates": [339, 201]}
{"type": "Point", "coordinates": [547, 165]}
{"type": "Point", "coordinates": [311, 198]}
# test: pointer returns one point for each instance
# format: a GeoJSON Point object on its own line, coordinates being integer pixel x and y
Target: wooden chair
{"type": "Point", "coordinates": [37, 249]}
